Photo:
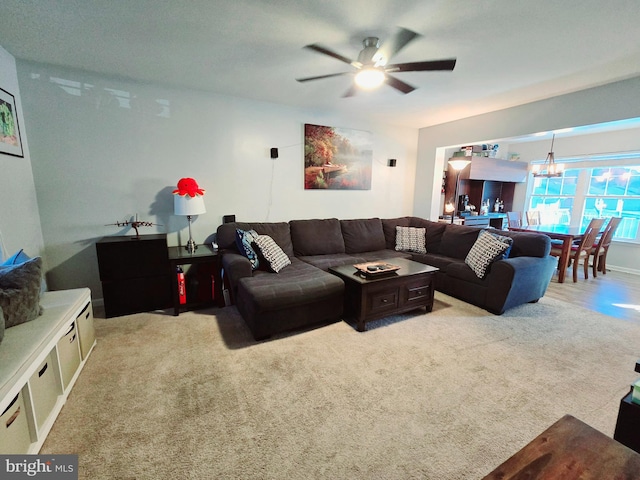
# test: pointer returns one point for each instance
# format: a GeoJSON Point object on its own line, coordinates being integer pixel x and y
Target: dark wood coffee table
{"type": "Point", "coordinates": [373, 297]}
{"type": "Point", "coordinates": [570, 449]}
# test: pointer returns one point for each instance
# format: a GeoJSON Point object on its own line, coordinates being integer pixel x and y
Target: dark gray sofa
{"type": "Point", "coordinates": [305, 293]}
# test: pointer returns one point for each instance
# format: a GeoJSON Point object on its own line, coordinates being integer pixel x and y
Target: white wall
{"type": "Point", "coordinates": [19, 217]}
{"type": "Point", "coordinates": [615, 101]}
{"type": "Point", "coordinates": [104, 149]}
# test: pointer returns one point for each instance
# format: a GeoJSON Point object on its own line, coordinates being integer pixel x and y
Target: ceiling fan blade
{"type": "Point", "coordinates": [398, 84]}
{"type": "Point", "coordinates": [393, 45]}
{"type": "Point", "coordinates": [433, 65]}
{"type": "Point", "coordinates": [326, 51]}
{"type": "Point", "coordinates": [319, 77]}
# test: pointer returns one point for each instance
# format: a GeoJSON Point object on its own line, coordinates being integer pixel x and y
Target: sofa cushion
{"type": "Point", "coordinates": [488, 248]}
{"type": "Point", "coordinates": [433, 233]}
{"type": "Point", "coordinates": [325, 262]}
{"type": "Point", "coordinates": [364, 235]}
{"type": "Point", "coordinates": [316, 237]}
{"type": "Point", "coordinates": [272, 253]}
{"type": "Point", "coordinates": [279, 231]}
{"type": "Point", "coordinates": [244, 243]}
{"type": "Point", "coordinates": [457, 240]}
{"type": "Point", "coordinates": [410, 239]}
{"type": "Point", "coordinates": [527, 244]}
{"type": "Point", "coordinates": [20, 291]}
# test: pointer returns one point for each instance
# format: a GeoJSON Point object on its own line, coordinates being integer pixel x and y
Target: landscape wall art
{"type": "Point", "coordinates": [337, 158]}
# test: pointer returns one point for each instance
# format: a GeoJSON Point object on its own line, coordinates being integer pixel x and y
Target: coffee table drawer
{"type": "Point", "coordinates": [380, 302]}
{"type": "Point", "coordinates": [418, 292]}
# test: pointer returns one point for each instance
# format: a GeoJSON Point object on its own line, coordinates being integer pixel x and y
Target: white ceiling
{"type": "Point", "coordinates": [509, 52]}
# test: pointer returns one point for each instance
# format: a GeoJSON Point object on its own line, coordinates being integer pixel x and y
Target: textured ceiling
{"type": "Point", "coordinates": [509, 52]}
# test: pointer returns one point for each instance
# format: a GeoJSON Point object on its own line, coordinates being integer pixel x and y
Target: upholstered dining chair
{"type": "Point", "coordinates": [583, 249]}
{"type": "Point", "coordinates": [601, 247]}
{"type": "Point", "coordinates": [514, 219]}
{"type": "Point", "coordinates": [533, 217]}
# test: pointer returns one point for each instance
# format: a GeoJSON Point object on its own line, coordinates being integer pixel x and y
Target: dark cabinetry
{"type": "Point", "coordinates": [203, 284]}
{"type": "Point", "coordinates": [481, 181]}
{"type": "Point", "coordinates": [134, 274]}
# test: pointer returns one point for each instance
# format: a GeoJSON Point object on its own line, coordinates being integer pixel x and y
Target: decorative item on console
{"type": "Point", "coordinates": [135, 224]}
{"type": "Point", "coordinates": [188, 201]}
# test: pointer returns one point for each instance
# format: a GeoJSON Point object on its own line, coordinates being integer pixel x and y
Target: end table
{"type": "Point", "coordinates": [204, 254]}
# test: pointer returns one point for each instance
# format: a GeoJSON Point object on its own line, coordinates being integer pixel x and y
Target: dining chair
{"type": "Point", "coordinates": [583, 249]}
{"type": "Point", "coordinates": [514, 219]}
{"type": "Point", "coordinates": [533, 217]}
{"type": "Point", "coordinates": [601, 247]}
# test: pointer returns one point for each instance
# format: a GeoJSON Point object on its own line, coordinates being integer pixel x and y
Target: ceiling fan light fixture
{"type": "Point", "coordinates": [370, 78]}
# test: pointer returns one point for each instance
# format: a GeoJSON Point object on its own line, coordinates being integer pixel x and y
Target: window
{"type": "Point", "coordinates": [615, 192]}
{"type": "Point", "coordinates": [581, 194]}
{"type": "Point", "coordinates": [554, 197]}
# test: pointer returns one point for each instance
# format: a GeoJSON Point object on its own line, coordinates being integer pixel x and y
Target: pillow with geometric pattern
{"type": "Point", "coordinates": [271, 253]}
{"type": "Point", "coordinates": [411, 239]}
{"type": "Point", "coordinates": [488, 248]}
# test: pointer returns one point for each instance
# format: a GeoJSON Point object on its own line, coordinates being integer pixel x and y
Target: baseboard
{"type": "Point", "coordinates": [616, 268]}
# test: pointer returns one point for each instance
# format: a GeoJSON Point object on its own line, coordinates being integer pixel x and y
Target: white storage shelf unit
{"type": "Point", "coordinates": [39, 364]}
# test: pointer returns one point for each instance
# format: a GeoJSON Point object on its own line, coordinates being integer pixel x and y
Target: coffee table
{"type": "Point", "coordinates": [570, 449]}
{"type": "Point", "coordinates": [377, 296]}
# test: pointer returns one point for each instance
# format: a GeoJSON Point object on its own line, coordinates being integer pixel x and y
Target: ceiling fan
{"type": "Point", "coordinates": [373, 67]}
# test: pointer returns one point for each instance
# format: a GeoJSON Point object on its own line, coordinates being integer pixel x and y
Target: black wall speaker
{"type": "Point", "coordinates": [392, 162]}
{"type": "Point", "coordinates": [228, 219]}
{"type": "Point", "coordinates": [274, 153]}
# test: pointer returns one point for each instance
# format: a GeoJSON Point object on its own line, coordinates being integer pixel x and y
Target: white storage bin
{"type": "Point", "coordinates": [86, 330]}
{"type": "Point", "coordinates": [14, 428]}
{"type": "Point", "coordinates": [45, 389]}
{"type": "Point", "coordinates": [69, 354]}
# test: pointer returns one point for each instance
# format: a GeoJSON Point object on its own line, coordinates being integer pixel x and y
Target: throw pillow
{"type": "Point", "coordinates": [272, 253]}
{"type": "Point", "coordinates": [488, 248]}
{"type": "Point", "coordinates": [244, 242]}
{"type": "Point", "coordinates": [411, 239]}
{"type": "Point", "coordinates": [20, 291]}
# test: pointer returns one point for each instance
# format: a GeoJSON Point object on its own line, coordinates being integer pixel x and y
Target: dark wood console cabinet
{"type": "Point", "coordinates": [134, 273]}
{"type": "Point", "coordinates": [485, 179]}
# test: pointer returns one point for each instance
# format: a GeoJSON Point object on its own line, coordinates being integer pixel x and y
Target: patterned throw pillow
{"type": "Point", "coordinates": [272, 253]}
{"type": "Point", "coordinates": [244, 242]}
{"type": "Point", "coordinates": [411, 239]}
{"type": "Point", "coordinates": [488, 248]}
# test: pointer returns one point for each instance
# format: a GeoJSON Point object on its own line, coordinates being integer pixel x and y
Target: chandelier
{"type": "Point", "coordinates": [549, 168]}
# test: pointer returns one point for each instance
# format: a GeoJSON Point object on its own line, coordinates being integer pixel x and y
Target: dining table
{"type": "Point", "coordinates": [565, 233]}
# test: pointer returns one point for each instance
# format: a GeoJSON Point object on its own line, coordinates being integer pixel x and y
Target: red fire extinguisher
{"type": "Point", "coordinates": [182, 292]}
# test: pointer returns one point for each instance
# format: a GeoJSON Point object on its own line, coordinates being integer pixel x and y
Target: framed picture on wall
{"type": "Point", "coordinates": [10, 141]}
{"type": "Point", "coordinates": [337, 158]}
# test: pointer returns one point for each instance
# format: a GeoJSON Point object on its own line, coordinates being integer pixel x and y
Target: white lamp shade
{"type": "Point", "coordinates": [186, 205]}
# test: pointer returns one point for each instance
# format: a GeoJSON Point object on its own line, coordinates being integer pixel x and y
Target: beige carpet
{"type": "Point", "coordinates": [446, 395]}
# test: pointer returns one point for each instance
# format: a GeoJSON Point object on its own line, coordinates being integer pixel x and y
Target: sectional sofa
{"type": "Point", "coordinates": [304, 293]}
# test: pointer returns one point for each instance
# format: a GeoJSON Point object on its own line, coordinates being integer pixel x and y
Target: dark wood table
{"type": "Point", "coordinates": [370, 298]}
{"type": "Point", "coordinates": [567, 234]}
{"type": "Point", "coordinates": [179, 256]}
{"type": "Point", "coordinates": [570, 449]}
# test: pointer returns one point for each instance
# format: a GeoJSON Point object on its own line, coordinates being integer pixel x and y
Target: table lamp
{"type": "Point", "coordinates": [188, 200]}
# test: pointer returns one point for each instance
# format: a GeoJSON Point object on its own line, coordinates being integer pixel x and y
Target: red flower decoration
{"type": "Point", "coordinates": [188, 186]}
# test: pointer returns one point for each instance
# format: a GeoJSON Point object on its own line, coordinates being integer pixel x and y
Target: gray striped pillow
{"type": "Point", "coordinates": [272, 253]}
